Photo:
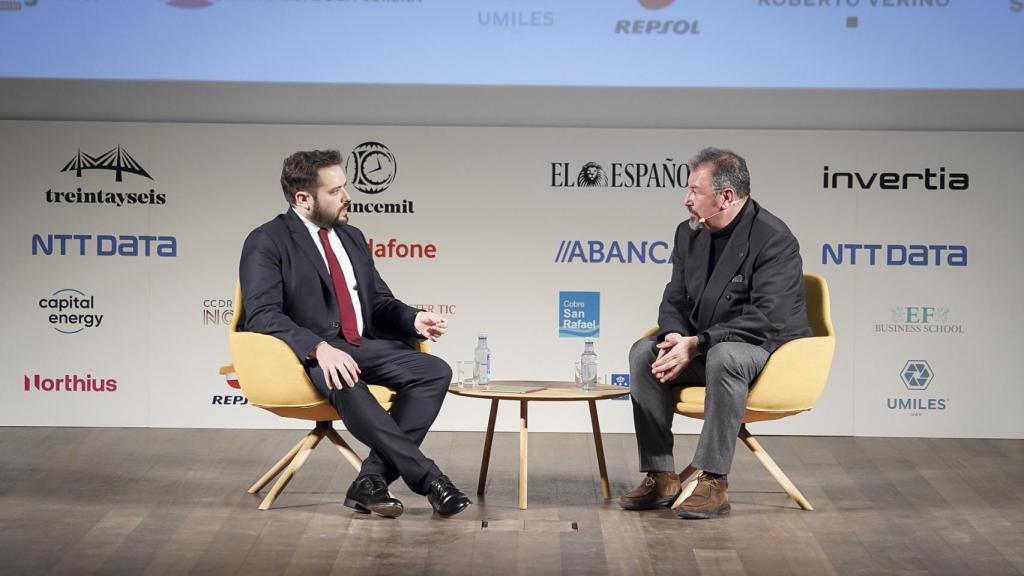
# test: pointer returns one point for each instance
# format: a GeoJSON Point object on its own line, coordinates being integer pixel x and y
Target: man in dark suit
{"type": "Point", "coordinates": [308, 278]}
{"type": "Point", "coordinates": [735, 296]}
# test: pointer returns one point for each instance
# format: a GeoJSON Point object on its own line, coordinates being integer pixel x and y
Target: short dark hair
{"type": "Point", "coordinates": [728, 170]}
{"type": "Point", "coordinates": [301, 171]}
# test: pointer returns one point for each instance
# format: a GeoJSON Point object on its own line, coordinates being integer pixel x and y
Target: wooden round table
{"type": "Point", "coordinates": [552, 392]}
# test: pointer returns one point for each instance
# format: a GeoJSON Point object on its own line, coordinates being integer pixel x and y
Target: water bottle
{"type": "Point", "coordinates": [588, 366]}
{"type": "Point", "coordinates": [482, 357]}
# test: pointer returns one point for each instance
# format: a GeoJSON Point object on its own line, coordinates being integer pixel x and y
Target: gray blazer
{"type": "Point", "coordinates": [755, 294]}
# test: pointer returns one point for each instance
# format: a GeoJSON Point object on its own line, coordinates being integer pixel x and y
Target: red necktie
{"type": "Point", "coordinates": [349, 327]}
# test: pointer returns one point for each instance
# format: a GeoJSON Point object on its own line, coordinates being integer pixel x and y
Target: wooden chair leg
{"type": "Point", "coordinates": [523, 456]}
{"type": "Point", "coordinates": [599, 446]}
{"type": "Point", "coordinates": [344, 448]}
{"type": "Point", "coordinates": [305, 449]}
{"type": "Point", "coordinates": [688, 478]}
{"type": "Point", "coordinates": [276, 468]}
{"type": "Point", "coordinates": [773, 468]}
{"type": "Point", "coordinates": [485, 461]}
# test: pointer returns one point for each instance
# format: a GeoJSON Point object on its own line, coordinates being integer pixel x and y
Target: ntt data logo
{"type": "Point", "coordinates": [613, 252]}
{"type": "Point", "coordinates": [69, 383]}
{"type": "Point", "coordinates": [71, 311]}
{"type": "Point", "coordinates": [104, 245]}
{"type": "Point", "coordinates": [851, 254]}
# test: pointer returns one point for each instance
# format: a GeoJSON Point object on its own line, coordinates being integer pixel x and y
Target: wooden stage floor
{"type": "Point", "coordinates": [152, 501]}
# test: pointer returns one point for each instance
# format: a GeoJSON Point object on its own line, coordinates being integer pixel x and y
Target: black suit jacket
{"type": "Point", "coordinates": [755, 293]}
{"type": "Point", "coordinates": [287, 291]}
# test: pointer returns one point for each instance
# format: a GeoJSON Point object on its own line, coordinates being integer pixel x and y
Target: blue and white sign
{"type": "Point", "coordinates": [579, 314]}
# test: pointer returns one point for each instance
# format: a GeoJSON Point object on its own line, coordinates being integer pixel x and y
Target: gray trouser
{"type": "Point", "coordinates": [727, 371]}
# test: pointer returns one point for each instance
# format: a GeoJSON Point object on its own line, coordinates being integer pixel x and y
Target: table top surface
{"type": "Point", "coordinates": [553, 391]}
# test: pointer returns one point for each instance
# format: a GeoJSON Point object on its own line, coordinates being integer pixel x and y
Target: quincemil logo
{"type": "Point", "coordinates": [392, 248]}
{"type": "Point", "coordinates": [69, 383]}
{"type": "Point", "coordinates": [917, 376]}
{"type": "Point", "coordinates": [116, 160]}
{"type": "Point", "coordinates": [218, 311]}
{"type": "Point", "coordinates": [229, 399]}
{"type": "Point", "coordinates": [371, 168]}
{"type": "Point", "coordinates": [919, 320]}
{"type": "Point", "coordinates": [854, 254]}
{"type": "Point", "coordinates": [71, 311]}
{"type": "Point", "coordinates": [644, 175]}
{"type": "Point", "coordinates": [622, 381]}
{"type": "Point", "coordinates": [656, 26]}
{"type": "Point", "coordinates": [579, 314]}
{"type": "Point", "coordinates": [613, 252]}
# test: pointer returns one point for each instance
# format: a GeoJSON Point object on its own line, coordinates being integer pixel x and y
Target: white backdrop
{"type": "Point", "coordinates": [507, 243]}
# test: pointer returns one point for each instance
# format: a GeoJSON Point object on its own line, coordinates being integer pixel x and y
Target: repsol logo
{"type": "Point", "coordinates": [662, 27]}
{"type": "Point", "coordinates": [940, 179]}
{"type": "Point", "coordinates": [104, 245]}
{"type": "Point", "coordinates": [613, 252]}
{"type": "Point", "coordinates": [894, 254]}
{"type": "Point", "coordinates": [69, 383]}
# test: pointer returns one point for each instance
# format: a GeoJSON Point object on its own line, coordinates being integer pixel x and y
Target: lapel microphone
{"type": "Point", "coordinates": [724, 208]}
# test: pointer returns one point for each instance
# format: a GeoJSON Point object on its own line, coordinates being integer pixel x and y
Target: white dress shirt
{"type": "Point", "coordinates": [343, 261]}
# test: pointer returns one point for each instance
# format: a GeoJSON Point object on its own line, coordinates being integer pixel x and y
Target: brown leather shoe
{"type": "Point", "coordinates": [708, 500]}
{"type": "Point", "coordinates": [658, 490]}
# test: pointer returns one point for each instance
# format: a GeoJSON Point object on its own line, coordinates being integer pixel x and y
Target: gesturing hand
{"type": "Point", "coordinates": [430, 325]}
{"type": "Point", "coordinates": [338, 366]}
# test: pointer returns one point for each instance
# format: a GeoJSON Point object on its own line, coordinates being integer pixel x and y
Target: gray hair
{"type": "Point", "coordinates": [728, 170]}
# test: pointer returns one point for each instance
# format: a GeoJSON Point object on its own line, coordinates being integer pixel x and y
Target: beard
{"type": "Point", "coordinates": [324, 219]}
{"type": "Point", "coordinates": [695, 223]}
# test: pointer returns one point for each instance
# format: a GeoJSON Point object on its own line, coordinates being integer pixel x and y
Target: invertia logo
{"type": "Point", "coordinates": [929, 180]}
{"type": "Point", "coordinates": [69, 383]}
{"type": "Point", "coordinates": [392, 248]}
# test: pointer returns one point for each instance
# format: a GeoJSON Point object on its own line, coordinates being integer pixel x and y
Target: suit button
{"type": "Point", "coordinates": [335, 325]}
{"type": "Point", "coordinates": [728, 296]}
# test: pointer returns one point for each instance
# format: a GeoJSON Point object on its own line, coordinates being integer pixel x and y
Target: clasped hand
{"type": "Point", "coordinates": [675, 353]}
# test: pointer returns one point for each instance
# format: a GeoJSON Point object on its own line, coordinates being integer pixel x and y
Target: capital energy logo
{"type": "Point", "coordinates": [118, 161]}
{"type": "Point", "coordinates": [231, 380]}
{"type": "Point", "coordinates": [919, 320]}
{"type": "Point", "coordinates": [657, 26]}
{"type": "Point", "coordinates": [928, 179]}
{"type": "Point", "coordinates": [854, 254]}
{"type": "Point", "coordinates": [644, 175]}
{"type": "Point", "coordinates": [613, 252]}
{"type": "Point", "coordinates": [218, 311]}
{"type": "Point", "coordinates": [69, 383]}
{"type": "Point", "coordinates": [392, 248]}
{"type": "Point", "coordinates": [70, 311]}
{"type": "Point", "coordinates": [579, 314]}
{"type": "Point", "coordinates": [104, 245]}
{"type": "Point", "coordinates": [917, 376]}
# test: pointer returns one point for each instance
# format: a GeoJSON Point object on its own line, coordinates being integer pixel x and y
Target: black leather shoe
{"type": "Point", "coordinates": [370, 494]}
{"type": "Point", "coordinates": [446, 499]}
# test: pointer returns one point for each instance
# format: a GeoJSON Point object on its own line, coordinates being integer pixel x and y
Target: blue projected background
{"type": "Point", "coordinates": [894, 44]}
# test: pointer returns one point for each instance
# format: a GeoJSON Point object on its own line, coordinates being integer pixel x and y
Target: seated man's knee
{"type": "Point", "coordinates": [731, 358]}
{"type": "Point", "coordinates": [439, 370]}
{"type": "Point", "coordinates": [641, 354]}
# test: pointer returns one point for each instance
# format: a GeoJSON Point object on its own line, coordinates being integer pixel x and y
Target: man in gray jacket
{"type": "Point", "coordinates": [735, 296]}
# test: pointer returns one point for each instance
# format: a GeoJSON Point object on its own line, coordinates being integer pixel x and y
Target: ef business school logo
{"type": "Point", "coordinates": [920, 320]}
{"type": "Point", "coordinates": [917, 376]}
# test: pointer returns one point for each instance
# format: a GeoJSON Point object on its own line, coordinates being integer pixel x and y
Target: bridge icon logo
{"type": "Point", "coordinates": [117, 160]}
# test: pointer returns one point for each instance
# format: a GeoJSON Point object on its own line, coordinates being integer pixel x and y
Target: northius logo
{"type": "Point", "coordinates": [894, 254]}
{"type": "Point", "coordinates": [613, 252]}
{"type": "Point", "coordinates": [104, 245]}
{"type": "Point", "coordinates": [70, 383]}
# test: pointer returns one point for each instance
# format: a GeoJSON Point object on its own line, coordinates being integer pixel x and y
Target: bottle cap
{"type": "Point", "coordinates": [482, 335]}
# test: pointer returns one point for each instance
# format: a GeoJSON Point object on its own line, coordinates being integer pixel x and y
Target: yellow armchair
{"type": "Point", "coordinates": [272, 378]}
{"type": "Point", "coordinates": [791, 382]}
